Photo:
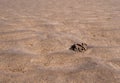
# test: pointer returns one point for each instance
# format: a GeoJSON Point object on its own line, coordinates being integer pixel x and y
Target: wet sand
{"type": "Point", "coordinates": [35, 37]}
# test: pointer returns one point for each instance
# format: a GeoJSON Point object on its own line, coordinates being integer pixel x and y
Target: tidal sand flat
{"type": "Point", "coordinates": [36, 36]}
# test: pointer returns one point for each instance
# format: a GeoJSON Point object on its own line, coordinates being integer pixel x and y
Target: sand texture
{"type": "Point", "coordinates": [35, 37]}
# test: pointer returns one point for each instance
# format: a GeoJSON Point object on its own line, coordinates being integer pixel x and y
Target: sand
{"type": "Point", "coordinates": [35, 37]}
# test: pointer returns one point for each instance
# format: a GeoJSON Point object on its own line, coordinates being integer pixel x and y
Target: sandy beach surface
{"type": "Point", "coordinates": [35, 37]}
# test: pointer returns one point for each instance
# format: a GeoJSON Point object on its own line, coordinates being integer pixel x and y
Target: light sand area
{"type": "Point", "coordinates": [35, 37]}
